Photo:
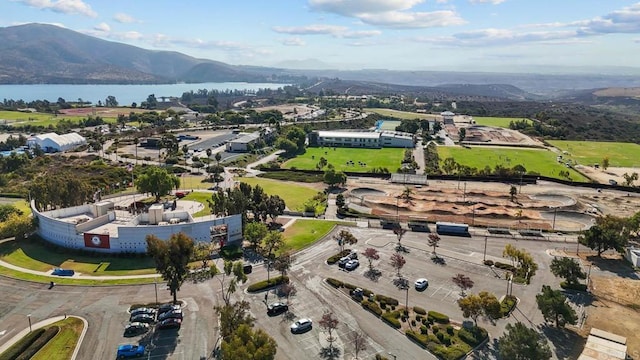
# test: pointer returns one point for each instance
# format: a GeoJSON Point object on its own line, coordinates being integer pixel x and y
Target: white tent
{"type": "Point", "coordinates": [52, 142]}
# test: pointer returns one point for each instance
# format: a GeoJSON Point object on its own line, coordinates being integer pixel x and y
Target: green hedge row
{"type": "Point", "coordinates": [335, 283]}
{"type": "Point", "coordinates": [419, 310]}
{"type": "Point", "coordinates": [371, 306]}
{"type": "Point", "coordinates": [504, 266]}
{"type": "Point", "coordinates": [579, 287]}
{"type": "Point", "coordinates": [334, 259]}
{"type": "Point", "coordinates": [474, 336]}
{"type": "Point", "coordinates": [391, 318]}
{"type": "Point", "coordinates": [13, 352]}
{"type": "Point", "coordinates": [507, 305]}
{"type": "Point", "coordinates": [39, 343]}
{"type": "Point", "coordinates": [438, 317]}
{"type": "Point", "coordinates": [262, 285]}
{"type": "Point", "coordinates": [387, 300]}
{"type": "Point", "coordinates": [446, 353]}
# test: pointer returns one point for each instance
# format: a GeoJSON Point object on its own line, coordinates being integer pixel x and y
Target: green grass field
{"type": "Point", "coordinates": [201, 197]}
{"type": "Point", "coordinates": [541, 161]}
{"type": "Point", "coordinates": [404, 115]}
{"type": "Point", "coordinates": [14, 274]}
{"type": "Point", "coordinates": [496, 121]}
{"type": "Point", "coordinates": [33, 255]}
{"type": "Point", "coordinates": [389, 158]}
{"type": "Point", "coordinates": [64, 343]}
{"type": "Point", "coordinates": [303, 233]}
{"type": "Point", "coordinates": [592, 152]}
{"type": "Point", "coordinates": [294, 195]}
{"type": "Point", "coordinates": [40, 119]}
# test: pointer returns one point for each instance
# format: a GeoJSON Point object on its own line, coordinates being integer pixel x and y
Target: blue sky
{"type": "Point", "coordinates": [470, 35]}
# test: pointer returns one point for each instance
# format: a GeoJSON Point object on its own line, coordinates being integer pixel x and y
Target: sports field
{"type": "Point", "coordinates": [404, 115]}
{"type": "Point", "coordinates": [502, 122]}
{"type": "Point", "coordinates": [40, 119]}
{"type": "Point", "coordinates": [541, 161]}
{"type": "Point", "coordinates": [294, 196]}
{"type": "Point", "coordinates": [592, 152]}
{"type": "Point", "coordinates": [389, 158]}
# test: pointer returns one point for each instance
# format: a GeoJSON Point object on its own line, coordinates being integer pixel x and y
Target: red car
{"type": "Point", "coordinates": [180, 194]}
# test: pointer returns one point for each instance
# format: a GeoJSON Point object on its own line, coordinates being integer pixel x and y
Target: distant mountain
{"type": "Point", "coordinates": [38, 53]}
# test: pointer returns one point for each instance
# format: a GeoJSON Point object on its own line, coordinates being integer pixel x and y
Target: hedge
{"type": "Point", "coordinates": [261, 285]}
{"type": "Point", "coordinates": [231, 252]}
{"type": "Point", "coordinates": [39, 343]}
{"type": "Point", "coordinates": [387, 300]}
{"type": "Point", "coordinates": [504, 266]}
{"type": "Point", "coordinates": [474, 336]}
{"type": "Point", "coordinates": [507, 304]}
{"type": "Point", "coordinates": [419, 310]}
{"type": "Point", "coordinates": [438, 317]}
{"type": "Point", "coordinates": [420, 339]}
{"type": "Point", "coordinates": [371, 306]}
{"type": "Point", "coordinates": [13, 352]}
{"type": "Point", "coordinates": [578, 287]}
{"type": "Point", "coordinates": [334, 259]}
{"type": "Point", "coordinates": [391, 318]}
{"type": "Point", "coordinates": [380, 357]}
{"type": "Point", "coordinates": [488, 262]}
{"type": "Point", "coordinates": [335, 283]}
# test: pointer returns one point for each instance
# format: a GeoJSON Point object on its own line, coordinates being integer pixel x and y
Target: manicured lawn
{"type": "Point", "coordinates": [404, 115]}
{"type": "Point", "coordinates": [305, 232]}
{"type": "Point", "coordinates": [63, 344]}
{"type": "Point", "coordinates": [497, 121]}
{"type": "Point", "coordinates": [34, 255]}
{"type": "Point", "coordinates": [541, 161]}
{"type": "Point", "coordinates": [41, 119]}
{"type": "Point", "coordinates": [70, 281]}
{"type": "Point", "coordinates": [592, 152]}
{"type": "Point", "coordinates": [195, 182]}
{"type": "Point", "coordinates": [389, 158]}
{"type": "Point", "coordinates": [202, 198]}
{"type": "Point", "coordinates": [294, 195]}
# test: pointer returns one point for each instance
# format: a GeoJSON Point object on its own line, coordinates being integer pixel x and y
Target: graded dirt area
{"type": "Point", "coordinates": [603, 176]}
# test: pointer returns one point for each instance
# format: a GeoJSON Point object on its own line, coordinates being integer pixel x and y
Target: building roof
{"type": "Point", "coordinates": [60, 140]}
{"type": "Point", "coordinates": [246, 138]}
{"type": "Point", "coordinates": [602, 345]}
{"type": "Point", "coordinates": [350, 134]}
{"type": "Point", "coordinates": [447, 113]}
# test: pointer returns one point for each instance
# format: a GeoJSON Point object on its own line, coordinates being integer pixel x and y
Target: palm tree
{"type": "Point", "coordinates": [135, 143]}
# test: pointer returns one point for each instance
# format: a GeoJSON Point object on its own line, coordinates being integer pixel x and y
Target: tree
{"type": "Point", "coordinates": [471, 307]}
{"type": "Point", "coordinates": [332, 177]}
{"type": "Point", "coordinates": [218, 157]}
{"type": "Point", "coordinates": [462, 133]}
{"type": "Point", "coordinates": [629, 179]}
{"type": "Point", "coordinates": [288, 290]}
{"type": "Point", "coordinates": [254, 232]}
{"type": "Point", "coordinates": [344, 237]}
{"type": "Point", "coordinates": [522, 343]}
{"type": "Point", "coordinates": [270, 244]}
{"type": "Point", "coordinates": [17, 225]}
{"type": "Point", "coordinates": [513, 191]}
{"type": "Point", "coordinates": [568, 269]}
{"type": "Point", "coordinates": [609, 232]}
{"type": "Point", "coordinates": [157, 181]}
{"type": "Point", "coordinates": [275, 207]}
{"type": "Point", "coordinates": [554, 307]}
{"type": "Point", "coordinates": [605, 163]}
{"type": "Point", "coordinates": [283, 262]}
{"type": "Point", "coordinates": [463, 282]}
{"type": "Point", "coordinates": [522, 260]}
{"type": "Point", "coordinates": [491, 307]}
{"type": "Point", "coordinates": [231, 316]}
{"type": "Point", "coordinates": [397, 262]}
{"type": "Point", "coordinates": [329, 323]}
{"type": "Point", "coordinates": [248, 344]}
{"type": "Point", "coordinates": [151, 102]}
{"type": "Point", "coordinates": [111, 101]}
{"type": "Point", "coordinates": [434, 242]}
{"type": "Point", "coordinates": [371, 254]}
{"type": "Point", "coordinates": [359, 341]}
{"type": "Point", "coordinates": [172, 259]}
{"type": "Point", "coordinates": [235, 270]}
{"type": "Point", "coordinates": [399, 231]}
{"type": "Point", "coordinates": [340, 202]}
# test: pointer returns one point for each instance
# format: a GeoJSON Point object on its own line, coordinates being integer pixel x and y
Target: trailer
{"type": "Point", "coordinates": [419, 225]}
{"type": "Point", "coordinates": [452, 228]}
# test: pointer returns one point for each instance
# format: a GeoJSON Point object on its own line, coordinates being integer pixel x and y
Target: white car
{"type": "Point", "coordinates": [421, 284]}
{"type": "Point", "coordinates": [352, 264]}
{"type": "Point", "coordinates": [301, 325]}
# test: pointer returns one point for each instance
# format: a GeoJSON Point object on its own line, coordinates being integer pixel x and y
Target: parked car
{"type": "Point", "coordinates": [145, 318]}
{"type": "Point", "coordinates": [421, 284]}
{"type": "Point", "coordinates": [301, 325]}
{"type": "Point", "coordinates": [353, 255]}
{"type": "Point", "coordinates": [351, 265]}
{"type": "Point", "coordinates": [276, 308]}
{"type": "Point", "coordinates": [167, 307]}
{"type": "Point", "coordinates": [62, 272]}
{"type": "Point", "coordinates": [170, 323]}
{"type": "Point", "coordinates": [129, 351]}
{"type": "Point", "coordinates": [343, 261]}
{"type": "Point", "coordinates": [176, 314]}
{"type": "Point", "coordinates": [135, 328]}
{"type": "Point", "coordinates": [143, 310]}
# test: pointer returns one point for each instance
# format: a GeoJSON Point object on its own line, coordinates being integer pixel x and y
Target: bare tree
{"type": "Point", "coordinates": [397, 262]}
{"type": "Point", "coordinates": [434, 242]}
{"type": "Point", "coordinates": [399, 231]}
{"type": "Point", "coordinates": [463, 282]}
{"type": "Point", "coordinates": [329, 322]}
{"type": "Point", "coordinates": [359, 341]}
{"type": "Point", "coordinates": [371, 254]}
{"type": "Point", "coordinates": [283, 262]}
{"type": "Point", "coordinates": [345, 237]}
{"type": "Point", "coordinates": [288, 290]}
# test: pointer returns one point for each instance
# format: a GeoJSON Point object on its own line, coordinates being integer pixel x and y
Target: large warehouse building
{"type": "Point", "coordinates": [52, 142]}
{"type": "Point", "coordinates": [362, 139]}
{"type": "Point", "coordinates": [102, 227]}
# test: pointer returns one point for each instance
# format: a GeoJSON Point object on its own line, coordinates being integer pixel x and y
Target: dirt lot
{"type": "Point", "coordinates": [603, 176]}
{"type": "Point", "coordinates": [101, 111]}
{"type": "Point", "coordinates": [290, 111]}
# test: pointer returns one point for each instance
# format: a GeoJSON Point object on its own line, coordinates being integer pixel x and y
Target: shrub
{"type": "Point", "coordinates": [435, 329]}
{"type": "Point", "coordinates": [367, 292]}
{"type": "Point", "coordinates": [507, 305]}
{"type": "Point", "coordinates": [419, 310]}
{"type": "Point", "coordinates": [371, 306]}
{"type": "Point", "coordinates": [419, 318]}
{"type": "Point", "coordinates": [419, 339]}
{"type": "Point", "coordinates": [349, 286]}
{"type": "Point", "coordinates": [424, 329]}
{"type": "Point", "coordinates": [446, 339]}
{"type": "Point", "coordinates": [13, 352]}
{"type": "Point", "coordinates": [391, 318]}
{"type": "Point", "coordinates": [380, 357]}
{"type": "Point", "coordinates": [449, 329]}
{"type": "Point", "coordinates": [261, 285]}
{"type": "Point", "coordinates": [473, 336]}
{"type": "Point", "coordinates": [440, 335]}
{"type": "Point", "coordinates": [578, 287]}
{"type": "Point", "coordinates": [231, 252]}
{"type": "Point", "coordinates": [504, 266]}
{"type": "Point", "coordinates": [334, 259]}
{"type": "Point", "coordinates": [41, 341]}
{"type": "Point", "coordinates": [438, 317]}
{"type": "Point", "coordinates": [335, 283]}
{"type": "Point", "coordinates": [388, 300]}
{"type": "Point", "coordinates": [488, 262]}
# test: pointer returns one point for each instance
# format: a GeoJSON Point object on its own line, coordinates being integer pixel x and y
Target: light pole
{"type": "Point", "coordinates": [484, 256]}
{"type": "Point", "coordinates": [553, 226]}
{"type": "Point", "coordinates": [29, 318]}
{"type": "Point", "coordinates": [155, 285]}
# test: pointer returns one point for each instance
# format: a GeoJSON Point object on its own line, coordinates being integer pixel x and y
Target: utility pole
{"type": "Point", "coordinates": [553, 226]}
{"type": "Point", "coordinates": [29, 318]}
{"type": "Point", "coordinates": [484, 256]}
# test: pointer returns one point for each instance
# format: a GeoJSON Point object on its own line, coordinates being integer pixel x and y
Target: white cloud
{"type": "Point", "coordinates": [124, 18]}
{"type": "Point", "coordinates": [321, 29]}
{"type": "Point", "coordinates": [494, 2]}
{"type": "Point", "coordinates": [389, 13]}
{"type": "Point", "coordinates": [626, 20]}
{"type": "Point", "coordinates": [16, 23]}
{"type": "Point", "coordinates": [73, 7]}
{"type": "Point", "coordinates": [104, 27]}
{"type": "Point", "coordinates": [293, 41]}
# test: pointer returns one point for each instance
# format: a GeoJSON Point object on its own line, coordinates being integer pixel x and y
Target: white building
{"type": "Point", "coordinates": [447, 117]}
{"type": "Point", "coordinates": [52, 142]}
{"type": "Point", "coordinates": [361, 139]}
{"type": "Point", "coordinates": [243, 143]}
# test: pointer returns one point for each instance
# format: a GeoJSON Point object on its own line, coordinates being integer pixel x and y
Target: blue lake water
{"type": "Point", "coordinates": [125, 94]}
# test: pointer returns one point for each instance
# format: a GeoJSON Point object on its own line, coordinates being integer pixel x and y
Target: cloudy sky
{"type": "Point", "coordinates": [487, 35]}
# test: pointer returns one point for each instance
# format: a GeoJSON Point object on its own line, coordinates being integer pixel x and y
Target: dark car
{"type": "Point", "coordinates": [143, 310]}
{"type": "Point", "coordinates": [167, 307]}
{"type": "Point", "coordinates": [276, 308]}
{"type": "Point", "coordinates": [170, 323]}
{"type": "Point", "coordinates": [176, 314]}
{"type": "Point", "coordinates": [135, 328]}
{"type": "Point", "coordinates": [144, 318]}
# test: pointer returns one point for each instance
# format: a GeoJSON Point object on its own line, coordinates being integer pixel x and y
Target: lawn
{"type": "Point", "coordinates": [194, 182]}
{"type": "Point", "coordinates": [592, 152]}
{"type": "Point", "coordinates": [41, 119]}
{"type": "Point", "coordinates": [404, 115]}
{"type": "Point", "coordinates": [541, 161]}
{"type": "Point", "coordinates": [294, 195]}
{"type": "Point", "coordinates": [389, 158]}
{"type": "Point", "coordinates": [64, 343]}
{"type": "Point", "coordinates": [71, 281]}
{"type": "Point", "coordinates": [502, 122]}
{"type": "Point", "coordinates": [32, 254]}
{"type": "Point", "coordinates": [201, 197]}
{"type": "Point", "coordinates": [303, 233]}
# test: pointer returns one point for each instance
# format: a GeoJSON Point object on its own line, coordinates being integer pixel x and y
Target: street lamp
{"type": "Point", "coordinates": [484, 256]}
{"type": "Point", "coordinates": [155, 285]}
{"type": "Point", "coordinates": [29, 318]}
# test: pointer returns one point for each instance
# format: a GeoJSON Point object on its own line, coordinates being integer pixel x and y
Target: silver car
{"type": "Point", "coordinates": [301, 325]}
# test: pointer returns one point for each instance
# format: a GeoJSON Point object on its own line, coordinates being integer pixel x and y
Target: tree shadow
{"type": "Point", "coordinates": [373, 274]}
{"type": "Point", "coordinates": [618, 266]}
{"type": "Point", "coordinates": [564, 341]}
{"type": "Point", "coordinates": [330, 352]}
{"type": "Point", "coordinates": [401, 283]}
{"type": "Point", "coordinates": [488, 351]}
{"type": "Point", "coordinates": [251, 256]}
{"type": "Point", "coordinates": [439, 260]}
